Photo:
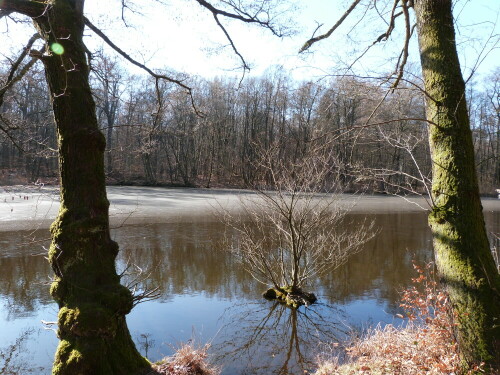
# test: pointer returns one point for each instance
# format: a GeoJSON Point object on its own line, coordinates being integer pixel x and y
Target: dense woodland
{"type": "Point", "coordinates": [219, 132]}
{"type": "Point", "coordinates": [378, 138]}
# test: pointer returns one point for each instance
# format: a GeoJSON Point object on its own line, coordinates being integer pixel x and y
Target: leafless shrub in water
{"type": "Point", "coordinates": [294, 228]}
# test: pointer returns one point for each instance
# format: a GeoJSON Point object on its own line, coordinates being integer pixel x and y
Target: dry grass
{"type": "Point", "coordinates": [188, 360]}
{"type": "Point", "coordinates": [425, 345]}
{"type": "Point", "coordinates": [410, 350]}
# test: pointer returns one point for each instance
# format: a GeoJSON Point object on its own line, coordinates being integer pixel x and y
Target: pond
{"type": "Point", "coordinates": [207, 297]}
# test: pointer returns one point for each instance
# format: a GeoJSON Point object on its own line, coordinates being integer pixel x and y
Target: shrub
{"type": "Point", "coordinates": [425, 344]}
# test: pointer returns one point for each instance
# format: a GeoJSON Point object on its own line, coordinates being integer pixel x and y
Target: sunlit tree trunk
{"type": "Point", "coordinates": [463, 255]}
{"type": "Point", "coordinates": [94, 338]}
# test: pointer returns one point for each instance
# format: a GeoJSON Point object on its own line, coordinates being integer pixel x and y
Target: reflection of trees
{"type": "Point", "coordinates": [183, 260]}
{"type": "Point", "coordinates": [24, 273]}
{"type": "Point", "coordinates": [385, 265]}
{"type": "Point", "coordinates": [14, 358]}
{"type": "Point", "coordinates": [271, 338]}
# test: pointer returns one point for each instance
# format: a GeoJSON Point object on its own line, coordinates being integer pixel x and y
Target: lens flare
{"type": "Point", "coordinates": [57, 48]}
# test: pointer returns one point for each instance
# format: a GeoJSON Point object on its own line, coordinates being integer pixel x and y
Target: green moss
{"type": "Point", "coordinates": [57, 290]}
{"type": "Point", "coordinates": [291, 296]}
{"type": "Point", "coordinates": [84, 356]}
{"type": "Point", "coordinates": [87, 320]}
{"type": "Point", "coordinates": [462, 250]}
{"type": "Point", "coordinates": [92, 326]}
{"type": "Point", "coordinates": [74, 357]}
{"type": "Point", "coordinates": [118, 299]}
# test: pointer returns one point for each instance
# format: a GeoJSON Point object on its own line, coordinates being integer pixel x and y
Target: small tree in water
{"type": "Point", "coordinates": [294, 229]}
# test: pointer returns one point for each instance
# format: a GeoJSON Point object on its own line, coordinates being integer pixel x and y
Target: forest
{"type": "Point", "coordinates": [151, 142]}
{"type": "Point", "coordinates": [362, 202]}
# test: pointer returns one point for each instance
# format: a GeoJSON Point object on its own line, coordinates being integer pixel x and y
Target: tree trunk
{"type": "Point", "coordinates": [463, 255]}
{"type": "Point", "coordinates": [111, 122]}
{"type": "Point", "coordinates": [94, 338]}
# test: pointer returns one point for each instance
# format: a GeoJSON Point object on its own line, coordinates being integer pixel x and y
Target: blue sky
{"type": "Point", "coordinates": [182, 36]}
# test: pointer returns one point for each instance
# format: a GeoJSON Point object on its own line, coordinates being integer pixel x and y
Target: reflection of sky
{"type": "Point", "coordinates": [39, 350]}
{"type": "Point", "coordinates": [208, 298]}
{"type": "Point", "coordinates": [367, 311]}
{"type": "Point", "coordinates": [228, 324]}
{"type": "Point", "coordinates": [202, 318]}
{"type": "Point", "coordinates": [183, 318]}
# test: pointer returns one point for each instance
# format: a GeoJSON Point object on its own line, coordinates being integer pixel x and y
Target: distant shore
{"type": "Point", "coordinates": [28, 208]}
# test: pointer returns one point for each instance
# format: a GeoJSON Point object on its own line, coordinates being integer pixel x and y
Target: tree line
{"type": "Point", "coordinates": [94, 337]}
{"type": "Point", "coordinates": [154, 136]}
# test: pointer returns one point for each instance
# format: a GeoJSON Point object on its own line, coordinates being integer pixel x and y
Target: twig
{"type": "Point", "coordinates": [142, 66]}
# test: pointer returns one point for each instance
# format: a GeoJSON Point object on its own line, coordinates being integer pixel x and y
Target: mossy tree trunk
{"type": "Point", "coordinates": [463, 255]}
{"type": "Point", "coordinates": [94, 338]}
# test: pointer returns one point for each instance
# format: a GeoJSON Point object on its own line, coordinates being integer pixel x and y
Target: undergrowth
{"type": "Point", "coordinates": [424, 344]}
{"type": "Point", "coordinates": [187, 360]}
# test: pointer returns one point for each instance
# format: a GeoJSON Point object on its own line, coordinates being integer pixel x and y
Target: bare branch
{"type": "Point", "coordinates": [404, 53]}
{"type": "Point", "coordinates": [346, 130]}
{"type": "Point", "coordinates": [313, 40]}
{"type": "Point", "coordinates": [290, 234]}
{"type": "Point", "coordinates": [27, 7]}
{"type": "Point", "coordinates": [137, 284]}
{"type": "Point", "coordinates": [403, 58]}
{"type": "Point", "coordinates": [12, 78]}
{"type": "Point", "coordinates": [392, 22]}
{"type": "Point", "coordinates": [7, 133]}
{"type": "Point", "coordinates": [23, 54]}
{"type": "Point", "coordinates": [245, 65]}
{"type": "Point", "coordinates": [5, 13]}
{"type": "Point", "coordinates": [157, 76]}
{"type": "Point", "coordinates": [241, 15]}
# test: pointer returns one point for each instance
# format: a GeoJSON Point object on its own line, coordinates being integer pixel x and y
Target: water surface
{"type": "Point", "coordinates": [208, 297]}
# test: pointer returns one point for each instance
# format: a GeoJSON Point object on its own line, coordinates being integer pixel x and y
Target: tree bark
{"type": "Point", "coordinates": [462, 251]}
{"type": "Point", "coordinates": [94, 338]}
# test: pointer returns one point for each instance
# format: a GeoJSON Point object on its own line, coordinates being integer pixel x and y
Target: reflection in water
{"type": "Point", "coordinates": [276, 339]}
{"type": "Point", "coordinates": [14, 359]}
{"type": "Point", "coordinates": [24, 274]}
{"type": "Point", "coordinates": [183, 260]}
{"type": "Point", "coordinates": [200, 284]}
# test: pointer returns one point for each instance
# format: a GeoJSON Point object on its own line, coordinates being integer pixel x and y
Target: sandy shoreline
{"type": "Point", "coordinates": [135, 204]}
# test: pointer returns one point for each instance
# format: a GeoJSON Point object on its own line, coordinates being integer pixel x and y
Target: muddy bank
{"type": "Point", "coordinates": [28, 208]}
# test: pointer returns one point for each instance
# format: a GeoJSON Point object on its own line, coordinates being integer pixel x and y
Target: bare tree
{"type": "Point", "coordinates": [290, 234]}
{"type": "Point", "coordinates": [107, 91]}
{"type": "Point", "coordinates": [93, 333]}
{"type": "Point", "coordinates": [461, 246]}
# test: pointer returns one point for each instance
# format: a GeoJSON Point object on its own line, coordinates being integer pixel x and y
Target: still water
{"type": "Point", "coordinates": [207, 297]}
